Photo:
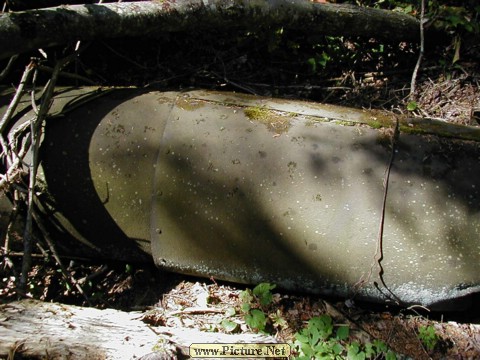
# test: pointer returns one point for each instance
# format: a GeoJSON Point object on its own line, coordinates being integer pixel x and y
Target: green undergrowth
{"type": "Point", "coordinates": [428, 337]}
{"type": "Point", "coordinates": [320, 338]}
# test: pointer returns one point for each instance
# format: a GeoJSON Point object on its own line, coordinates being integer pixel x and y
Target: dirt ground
{"type": "Point", "coordinates": [174, 300]}
{"type": "Point", "coordinates": [360, 76]}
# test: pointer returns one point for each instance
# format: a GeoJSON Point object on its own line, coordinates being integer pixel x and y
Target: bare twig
{"type": "Point", "coordinates": [18, 94]}
{"type": "Point", "coordinates": [235, 84]}
{"type": "Point", "coordinates": [11, 110]}
{"type": "Point", "coordinates": [43, 253]}
{"type": "Point", "coordinates": [420, 56]}
{"type": "Point", "coordinates": [11, 221]}
{"type": "Point", "coordinates": [35, 135]}
{"type": "Point", "coordinates": [66, 275]}
{"type": "Point", "coordinates": [68, 75]}
{"type": "Point", "coordinates": [126, 58]}
{"type": "Point", "coordinates": [7, 69]}
{"type": "Point", "coordinates": [14, 171]}
{"type": "Point", "coordinates": [199, 311]}
{"type": "Point", "coordinates": [32, 93]}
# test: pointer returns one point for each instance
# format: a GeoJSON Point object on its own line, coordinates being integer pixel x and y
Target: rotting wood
{"type": "Point", "coordinates": [58, 331]}
{"type": "Point", "coordinates": [29, 30]}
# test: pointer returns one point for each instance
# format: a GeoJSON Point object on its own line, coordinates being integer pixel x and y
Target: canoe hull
{"type": "Point", "coordinates": [248, 189]}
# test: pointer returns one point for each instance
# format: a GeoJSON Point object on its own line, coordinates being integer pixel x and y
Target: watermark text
{"type": "Point", "coordinates": [239, 350]}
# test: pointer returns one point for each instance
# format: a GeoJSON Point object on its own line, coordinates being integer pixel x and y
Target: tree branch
{"type": "Point", "coordinates": [29, 30]}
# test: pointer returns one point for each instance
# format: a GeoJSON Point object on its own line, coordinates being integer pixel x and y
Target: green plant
{"type": "Point", "coordinates": [316, 341]}
{"type": "Point", "coordinates": [263, 292]}
{"type": "Point", "coordinates": [229, 325]}
{"type": "Point", "coordinates": [256, 319]}
{"type": "Point", "coordinates": [369, 351]}
{"type": "Point", "coordinates": [255, 307]}
{"type": "Point", "coordinates": [412, 106]}
{"type": "Point", "coordinates": [128, 269]}
{"type": "Point", "coordinates": [428, 337]}
{"type": "Point", "coordinates": [319, 60]}
{"type": "Point", "coordinates": [319, 341]}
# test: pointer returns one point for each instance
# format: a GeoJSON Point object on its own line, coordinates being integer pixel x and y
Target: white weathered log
{"type": "Point", "coordinates": [28, 30]}
{"type": "Point", "coordinates": [58, 331]}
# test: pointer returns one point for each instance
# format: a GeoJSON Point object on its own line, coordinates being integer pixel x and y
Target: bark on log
{"type": "Point", "coordinates": [25, 31]}
{"type": "Point", "coordinates": [58, 331]}
{"type": "Point", "coordinates": [19, 5]}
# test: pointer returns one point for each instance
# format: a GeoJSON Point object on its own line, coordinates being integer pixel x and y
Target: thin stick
{"type": "Point", "coordinates": [35, 134]}
{"type": "Point", "coordinates": [420, 56]}
{"type": "Point", "coordinates": [14, 171]}
{"type": "Point", "coordinates": [11, 109]}
{"type": "Point", "coordinates": [32, 93]}
{"type": "Point", "coordinates": [18, 94]}
{"type": "Point", "coordinates": [67, 276]}
{"type": "Point", "coordinates": [11, 221]}
{"type": "Point", "coordinates": [7, 69]}
{"type": "Point", "coordinates": [13, 136]}
{"type": "Point", "coordinates": [43, 254]}
{"type": "Point", "coordinates": [68, 75]}
{"type": "Point", "coordinates": [199, 311]}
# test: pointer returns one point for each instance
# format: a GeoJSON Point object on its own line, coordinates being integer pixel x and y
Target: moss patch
{"type": "Point", "coordinates": [274, 121]}
{"type": "Point", "coordinates": [190, 104]}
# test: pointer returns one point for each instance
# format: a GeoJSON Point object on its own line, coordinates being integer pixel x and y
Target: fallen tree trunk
{"type": "Point", "coordinates": [22, 5]}
{"type": "Point", "coordinates": [58, 331]}
{"type": "Point", "coordinates": [25, 31]}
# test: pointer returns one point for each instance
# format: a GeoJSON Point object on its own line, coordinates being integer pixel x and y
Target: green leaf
{"type": "Point", "coordinates": [343, 332]}
{"type": "Point", "coordinates": [246, 296]}
{"type": "Point", "coordinates": [337, 348]}
{"type": "Point", "coordinates": [229, 325]}
{"type": "Point", "coordinates": [307, 350]}
{"type": "Point", "coordinates": [354, 353]}
{"type": "Point", "coordinates": [263, 288]}
{"type": "Point", "coordinates": [322, 348]}
{"type": "Point", "coordinates": [408, 9]}
{"type": "Point", "coordinates": [323, 324]}
{"type": "Point", "coordinates": [231, 311]}
{"type": "Point", "coordinates": [314, 336]}
{"type": "Point", "coordinates": [263, 292]}
{"type": "Point", "coordinates": [313, 64]}
{"type": "Point", "coordinates": [370, 350]}
{"type": "Point", "coordinates": [428, 336]}
{"type": "Point", "coordinates": [278, 320]}
{"type": "Point", "coordinates": [412, 105]}
{"type": "Point", "coordinates": [245, 307]}
{"type": "Point", "coordinates": [256, 319]}
{"type": "Point", "coordinates": [324, 59]}
{"type": "Point", "coordinates": [128, 268]}
{"type": "Point", "coordinates": [390, 356]}
{"type": "Point", "coordinates": [302, 338]}
{"type": "Point", "coordinates": [380, 346]}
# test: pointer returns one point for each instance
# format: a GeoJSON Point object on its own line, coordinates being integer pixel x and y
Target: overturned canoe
{"type": "Point", "coordinates": [251, 189]}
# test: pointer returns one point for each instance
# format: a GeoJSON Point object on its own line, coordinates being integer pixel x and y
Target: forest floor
{"type": "Point", "coordinates": [178, 301]}
{"type": "Point", "coordinates": [346, 72]}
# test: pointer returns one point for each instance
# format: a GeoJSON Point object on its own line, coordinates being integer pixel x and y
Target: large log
{"type": "Point", "coordinates": [59, 331]}
{"type": "Point", "coordinates": [21, 5]}
{"type": "Point", "coordinates": [25, 31]}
